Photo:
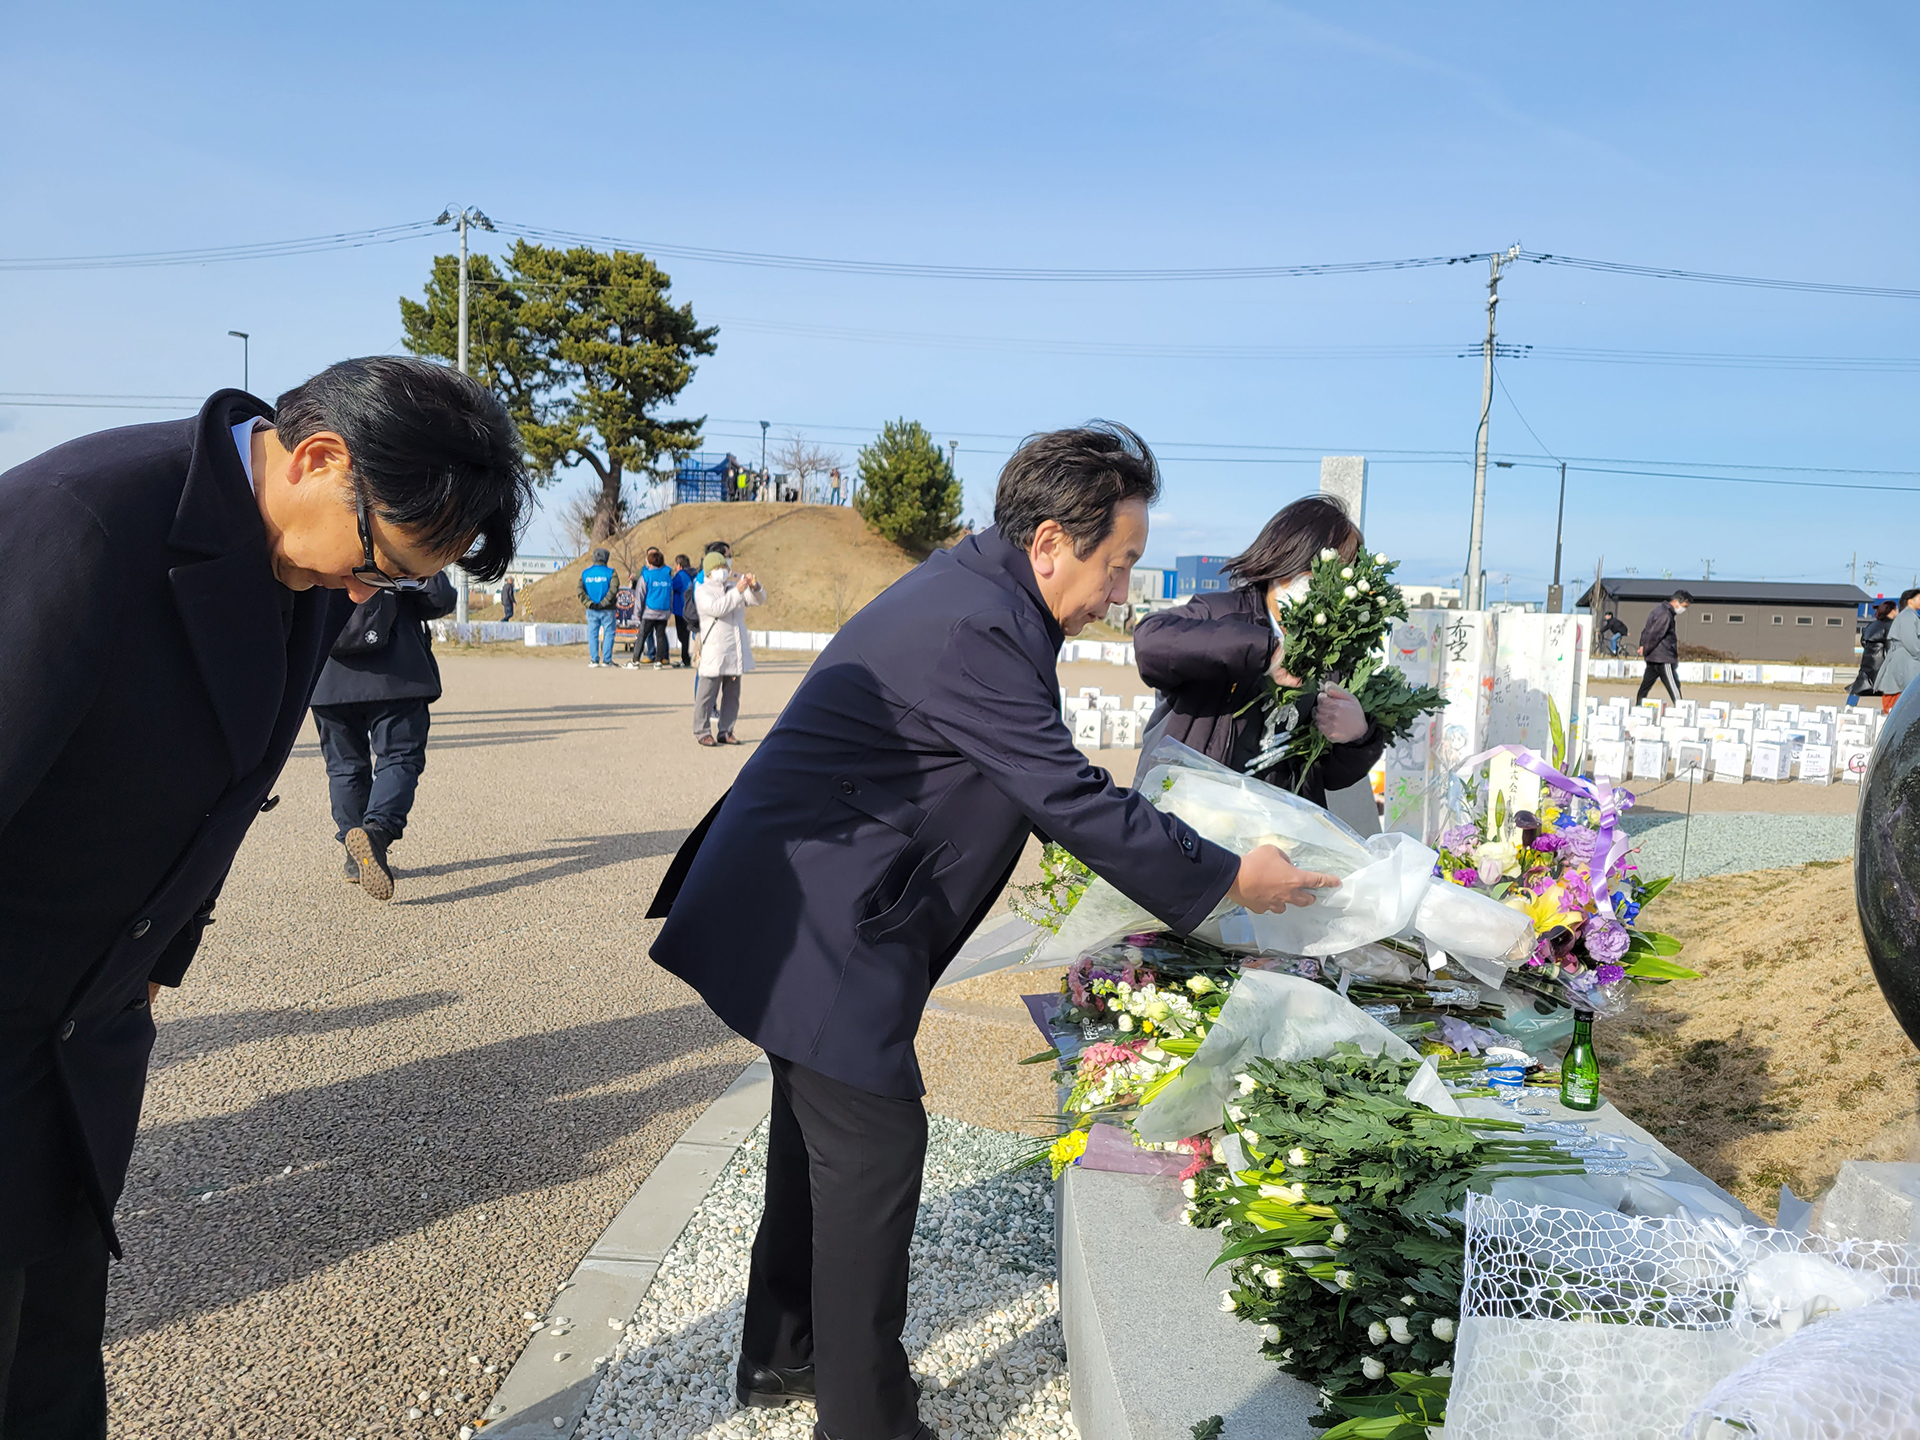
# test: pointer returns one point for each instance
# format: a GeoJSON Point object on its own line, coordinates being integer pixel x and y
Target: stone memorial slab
{"type": "Point", "coordinates": [1410, 798]}
{"type": "Point", "coordinates": [1729, 763]}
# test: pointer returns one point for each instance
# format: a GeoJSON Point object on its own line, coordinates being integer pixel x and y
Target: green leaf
{"type": "Point", "coordinates": [1495, 810]}
{"type": "Point", "coordinates": [1377, 1427]}
{"type": "Point", "coordinates": [1051, 1053]}
{"type": "Point", "coordinates": [1559, 732]}
{"type": "Point", "coordinates": [1656, 967]}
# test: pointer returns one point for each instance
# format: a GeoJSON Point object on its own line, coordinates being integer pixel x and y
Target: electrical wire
{"type": "Point", "coordinates": [262, 250]}
{"type": "Point", "coordinates": [1661, 272]}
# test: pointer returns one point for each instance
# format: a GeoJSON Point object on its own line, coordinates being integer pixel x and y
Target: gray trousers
{"type": "Point", "coordinates": [715, 694]}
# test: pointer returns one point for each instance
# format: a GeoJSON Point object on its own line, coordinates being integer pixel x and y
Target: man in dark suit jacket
{"type": "Point", "coordinates": [873, 829]}
{"type": "Point", "coordinates": [169, 603]}
{"type": "Point", "coordinates": [373, 702]}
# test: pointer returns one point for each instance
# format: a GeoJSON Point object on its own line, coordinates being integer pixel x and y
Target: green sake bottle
{"type": "Point", "coordinates": [1580, 1071]}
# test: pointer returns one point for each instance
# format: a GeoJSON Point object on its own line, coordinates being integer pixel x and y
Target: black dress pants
{"type": "Point", "coordinates": [53, 1381]}
{"type": "Point", "coordinates": [829, 1281]}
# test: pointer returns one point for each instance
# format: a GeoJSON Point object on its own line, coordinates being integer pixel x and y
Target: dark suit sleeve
{"type": "Point", "coordinates": [1659, 622]}
{"type": "Point", "coordinates": [1186, 646]}
{"type": "Point", "coordinates": [999, 709]}
{"type": "Point", "coordinates": [439, 600]}
{"type": "Point", "coordinates": [54, 554]}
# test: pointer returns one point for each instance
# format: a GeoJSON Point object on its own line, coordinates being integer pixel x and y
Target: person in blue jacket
{"type": "Point", "coordinates": [870, 832]}
{"type": "Point", "coordinates": [600, 593]}
{"type": "Point", "coordinates": [683, 580]}
{"type": "Point", "coordinates": [655, 602]}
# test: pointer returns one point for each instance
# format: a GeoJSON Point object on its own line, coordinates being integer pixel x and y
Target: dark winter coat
{"type": "Point", "coordinates": [128, 775]}
{"type": "Point", "coordinates": [401, 669]}
{"type": "Point", "coordinates": [1873, 653]}
{"type": "Point", "coordinates": [876, 824]}
{"type": "Point", "coordinates": [1658, 642]}
{"type": "Point", "coordinates": [1208, 659]}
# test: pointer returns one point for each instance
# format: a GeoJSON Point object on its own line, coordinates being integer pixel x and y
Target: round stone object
{"type": "Point", "coordinates": [1886, 867]}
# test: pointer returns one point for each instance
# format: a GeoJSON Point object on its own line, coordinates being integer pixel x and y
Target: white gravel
{"type": "Point", "coordinates": [983, 1322]}
{"type": "Point", "coordinates": [1726, 842]}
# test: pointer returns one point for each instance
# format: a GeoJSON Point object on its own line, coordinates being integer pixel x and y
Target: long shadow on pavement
{"type": "Point", "coordinates": [385, 1155]}
{"type": "Point", "coordinates": [195, 1036]}
{"type": "Point", "coordinates": [567, 857]}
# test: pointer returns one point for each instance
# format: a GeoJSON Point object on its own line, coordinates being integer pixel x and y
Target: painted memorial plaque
{"type": "Point", "coordinates": [1850, 762]}
{"type": "Point", "coordinates": [1410, 803]}
{"type": "Point", "coordinates": [1690, 760]}
{"type": "Point", "coordinates": [1086, 728]}
{"type": "Point", "coordinates": [1816, 765]}
{"type": "Point", "coordinates": [1122, 729]}
{"type": "Point", "coordinates": [1770, 761]}
{"type": "Point", "coordinates": [1729, 762]}
{"type": "Point", "coordinates": [1087, 692]}
{"type": "Point", "coordinates": [1649, 760]}
{"type": "Point", "coordinates": [1466, 660]}
{"type": "Point", "coordinates": [1143, 706]}
{"type": "Point", "coordinates": [1609, 759]}
{"type": "Point", "coordinates": [1106, 702]}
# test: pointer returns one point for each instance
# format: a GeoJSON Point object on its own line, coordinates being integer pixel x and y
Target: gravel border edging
{"type": "Point", "coordinates": [547, 1392]}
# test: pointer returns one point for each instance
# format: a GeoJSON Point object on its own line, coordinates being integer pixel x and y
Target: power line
{"type": "Point", "coordinates": [207, 255]}
{"type": "Point", "coordinates": [1661, 272]}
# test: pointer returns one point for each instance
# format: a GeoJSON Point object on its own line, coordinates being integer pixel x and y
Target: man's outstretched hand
{"type": "Point", "coordinates": [1268, 882]}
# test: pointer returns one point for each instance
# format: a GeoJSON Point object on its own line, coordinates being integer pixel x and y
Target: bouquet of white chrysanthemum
{"type": "Point", "coordinates": [1334, 635]}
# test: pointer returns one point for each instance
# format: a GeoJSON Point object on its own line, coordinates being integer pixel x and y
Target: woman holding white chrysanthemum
{"type": "Point", "coordinates": [1212, 657]}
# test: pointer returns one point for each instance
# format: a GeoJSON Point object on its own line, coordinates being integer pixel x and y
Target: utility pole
{"type": "Point", "coordinates": [1476, 581]}
{"type": "Point", "coordinates": [245, 367]}
{"type": "Point", "coordinates": [1850, 564]}
{"type": "Point", "coordinates": [461, 218]}
{"type": "Point", "coordinates": [766, 481]}
{"type": "Point", "coordinates": [1554, 593]}
{"type": "Point", "coordinates": [1708, 563]}
{"type": "Point", "coordinates": [953, 456]}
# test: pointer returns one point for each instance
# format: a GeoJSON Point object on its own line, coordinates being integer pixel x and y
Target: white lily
{"type": "Point", "coordinates": [1372, 1368]}
{"type": "Point", "coordinates": [1443, 1329]}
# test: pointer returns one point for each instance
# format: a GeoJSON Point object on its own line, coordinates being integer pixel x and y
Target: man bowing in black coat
{"type": "Point", "coordinates": [168, 607]}
{"type": "Point", "coordinates": [874, 827]}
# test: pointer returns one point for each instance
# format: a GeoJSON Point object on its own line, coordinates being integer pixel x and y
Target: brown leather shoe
{"type": "Point", "coordinates": [707, 740]}
{"type": "Point", "coordinates": [728, 739]}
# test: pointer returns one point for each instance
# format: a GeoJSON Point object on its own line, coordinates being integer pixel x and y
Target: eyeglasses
{"type": "Point", "coordinates": [371, 574]}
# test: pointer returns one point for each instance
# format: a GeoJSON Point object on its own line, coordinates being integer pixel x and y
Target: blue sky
{"type": "Point", "coordinates": [1754, 139]}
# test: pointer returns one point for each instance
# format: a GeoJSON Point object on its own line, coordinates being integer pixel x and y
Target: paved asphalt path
{"type": "Point", "coordinates": [375, 1135]}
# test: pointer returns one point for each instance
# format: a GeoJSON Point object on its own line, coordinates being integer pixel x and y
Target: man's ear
{"type": "Point", "coordinates": [321, 454]}
{"type": "Point", "coordinates": [1044, 552]}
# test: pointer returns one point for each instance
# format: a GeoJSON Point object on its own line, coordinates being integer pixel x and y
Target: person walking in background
{"type": "Point", "coordinates": [1610, 632]}
{"type": "Point", "coordinates": [370, 708]}
{"type": "Point", "coordinates": [654, 597]}
{"type": "Point", "coordinates": [208, 548]}
{"type": "Point", "coordinates": [506, 599]}
{"type": "Point", "coordinates": [1902, 664]}
{"type": "Point", "coordinates": [725, 653]}
{"type": "Point", "coordinates": [600, 593]}
{"type": "Point", "coordinates": [1660, 645]}
{"type": "Point", "coordinates": [1873, 653]}
{"type": "Point", "coordinates": [1212, 659]}
{"type": "Point", "coordinates": [683, 580]}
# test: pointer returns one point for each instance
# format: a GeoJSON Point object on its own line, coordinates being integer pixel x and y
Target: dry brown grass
{"type": "Point", "coordinates": [1783, 1059]}
{"type": "Point", "coordinates": [819, 563]}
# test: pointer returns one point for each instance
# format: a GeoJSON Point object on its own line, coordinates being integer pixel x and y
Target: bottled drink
{"type": "Point", "coordinates": [1580, 1071]}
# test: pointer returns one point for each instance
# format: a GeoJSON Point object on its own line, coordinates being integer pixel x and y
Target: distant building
{"type": "Point", "coordinates": [1430, 597]}
{"type": "Point", "coordinates": [1151, 582]}
{"type": "Point", "coordinates": [1199, 575]}
{"type": "Point", "coordinates": [1750, 620]}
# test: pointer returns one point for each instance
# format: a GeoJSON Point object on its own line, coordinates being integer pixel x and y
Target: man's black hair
{"type": "Point", "coordinates": [1076, 478]}
{"type": "Point", "coordinates": [433, 452]}
{"type": "Point", "coordinates": [683, 560]}
{"type": "Point", "coordinates": [1292, 540]}
{"type": "Point", "coordinates": [1906, 595]}
{"type": "Point", "coordinates": [1684, 597]}
{"type": "Point", "coordinates": [722, 546]}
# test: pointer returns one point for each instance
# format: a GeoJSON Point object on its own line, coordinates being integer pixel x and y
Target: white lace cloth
{"type": "Point", "coordinates": [1581, 1322]}
{"type": "Point", "coordinates": [1853, 1376]}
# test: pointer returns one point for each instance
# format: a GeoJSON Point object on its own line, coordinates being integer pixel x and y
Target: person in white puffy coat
{"type": "Point", "coordinates": [725, 653]}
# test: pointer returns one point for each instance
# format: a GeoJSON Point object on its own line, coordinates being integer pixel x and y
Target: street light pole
{"type": "Point", "coordinates": [461, 218]}
{"type": "Point", "coordinates": [1476, 582]}
{"type": "Point", "coordinates": [245, 366]}
{"type": "Point", "coordinates": [766, 481]}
